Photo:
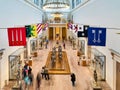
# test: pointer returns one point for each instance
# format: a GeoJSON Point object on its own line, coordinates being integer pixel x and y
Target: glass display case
{"type": "Point", "coordinates": [82, 46]}
{"type": "Point", "coordinates": [15, 64]}
{"type": "Point", "coordinates": [33, 45]}
{"type": "Point", "coordinates": [99, 64]}
{"type": "Point", "coordinates": [40, 42]}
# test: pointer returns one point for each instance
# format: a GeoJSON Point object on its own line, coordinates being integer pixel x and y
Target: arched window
{"type": "Point", "coordinates": [78, 2]}
{"type": "Point", "coordinates": [41, 3]}
{"type": "Point", "coordinates": [36, 2]}
{"type": "Point", "coordinates": [73, 4]}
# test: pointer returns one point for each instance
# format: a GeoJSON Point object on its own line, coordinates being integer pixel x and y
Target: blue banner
{"type": "Point", "coordinates": [96, 36]}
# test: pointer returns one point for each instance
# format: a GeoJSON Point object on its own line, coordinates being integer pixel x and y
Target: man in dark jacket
{"type": "Point", "coordinates": [46, 73]}
{"type": "Point", "coordinates": [73, 79]}
{"type": "Point", "coordinates": [38, 79]}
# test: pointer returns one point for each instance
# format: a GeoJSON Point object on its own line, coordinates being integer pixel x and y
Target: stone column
{"type": "Point", "coordinates": [60, 33]}
{"type": "Point", "coordinates": [54, 33]}
{"type": "Point", "coordinates": [28, 47]}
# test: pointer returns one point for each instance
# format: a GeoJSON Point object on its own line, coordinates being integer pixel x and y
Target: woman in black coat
{"type": "Point", "coordinates": [73, 79]}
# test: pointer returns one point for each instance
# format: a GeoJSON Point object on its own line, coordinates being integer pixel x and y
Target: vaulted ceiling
{"type": "Point", "coordinates": [57, 9]}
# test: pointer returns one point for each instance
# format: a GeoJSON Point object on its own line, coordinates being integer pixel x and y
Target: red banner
{"type": "Point", "coordinates": [17, 36]}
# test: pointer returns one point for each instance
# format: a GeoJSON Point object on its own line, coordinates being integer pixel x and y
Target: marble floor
{"type": "Point", "coordinates": [84, 77]}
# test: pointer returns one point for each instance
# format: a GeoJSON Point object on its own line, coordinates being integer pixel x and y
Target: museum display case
{"type": "Point", "coordinates": [34, 47]}
{"type": "Point", "coordinates": [1, 55]}
{"type": "Point", "coordinates": [40, 41]}
{"type": "Point", "coordinates": [98, 63]}
{"type": "Point", "coordinates": [15, 63]}
{"type": "Point", "coordinates": [82, 46]}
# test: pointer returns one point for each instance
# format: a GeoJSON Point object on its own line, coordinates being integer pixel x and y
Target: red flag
{"type": "Point", "coordinates": [17, 36]}
{"type": "Point", "coordinates": [39, 27]}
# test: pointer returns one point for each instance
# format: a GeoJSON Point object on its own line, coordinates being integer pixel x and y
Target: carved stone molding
{"type": "Point", "coordinates": [1, 53]}
{"type": "Point", "coordinates": [115, 55]}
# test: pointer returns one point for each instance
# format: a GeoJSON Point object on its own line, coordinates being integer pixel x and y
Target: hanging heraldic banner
{"type": "Point", "coordinates": [39, 28]}
{"type": "Point", "coordinates": [70, 26]}
{"type": "Point", "coordinates": [31, 31]}
{"type": "Point", "coordinates": [28, 30]}
{"type": "Point", "coordinates": [34, 30]}
{"type": "Point", "coordinates": [17, 36]}
{"type": "Point", "coordinates": [45, 26]}
{"type": "Point", "coordinates": [82, 30]}
{"type": "Point", "coordinates": [96, 36]}
{"type": "Point", "coordinates": [75, 28]}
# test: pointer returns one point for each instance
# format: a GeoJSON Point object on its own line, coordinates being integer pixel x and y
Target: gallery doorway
{"type": "Point", "coordinates": [50, 33]}
{"type": "Point", "coordinates": [57, 33]}
{"type": "Point", "coordinates": [64, 33]}
{"type": "Point", "coordinates": [117, 76]}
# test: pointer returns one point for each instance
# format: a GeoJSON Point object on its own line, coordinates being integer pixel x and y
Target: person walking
{"type": "Point", "coordinates": [27, 81]}
{"type": "Point", "coordinates": [38, 80]}
{"type": "Point", "coordinates": [73, 79]}
{"type": "Point", "coordinates": [31, 77]}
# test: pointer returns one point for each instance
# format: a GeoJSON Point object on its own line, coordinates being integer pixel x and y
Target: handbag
{"type": "Point", "coordinates": [27, 80]}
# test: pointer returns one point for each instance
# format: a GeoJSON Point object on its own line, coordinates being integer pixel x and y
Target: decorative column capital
{"type": "Point", "coordinates": [1, 53]}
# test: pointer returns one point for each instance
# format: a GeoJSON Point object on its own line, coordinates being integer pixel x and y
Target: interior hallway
{"type": "Point", "coordinates": [84, 77]}
{"type": "Point", "coordinates": [63, 82]}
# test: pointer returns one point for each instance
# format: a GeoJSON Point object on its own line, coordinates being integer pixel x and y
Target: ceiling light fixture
{"type": "Point", "coordinates": [56, 4]}
{"type": "Point", "coordinates": [57, 14]}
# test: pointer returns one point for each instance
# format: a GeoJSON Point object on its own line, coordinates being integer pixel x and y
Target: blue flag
{"type": "Point", "coordinates": [96, 36]}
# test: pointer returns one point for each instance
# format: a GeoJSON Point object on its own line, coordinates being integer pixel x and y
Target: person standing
{"type": "Point", "coordinates": [47, 41]}
{"type": "Point", "coordinates": [46, 45]}
{"type": "Point", "coordinates": [25, 69]}
{"type": "Point", "coordinates": [43, 72]}
{"type": "Point", "coordinates": [73, 79]}
{"type": "Point", "coordinates": [46, 73]}
{"type": "Point", "coordinates": [95, 76]}
{"type": "Point", "coordinates": [29, 70]}
{"type": "Point", "coordinates": [64, 45]}
{"type": "Point", "coordinates": [41, 44]}
{"type": "Point", "coordinates": [79, 60]}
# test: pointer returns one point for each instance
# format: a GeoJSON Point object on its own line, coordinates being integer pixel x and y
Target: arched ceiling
{"type": "Point", "coordinates": [64, 12]}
